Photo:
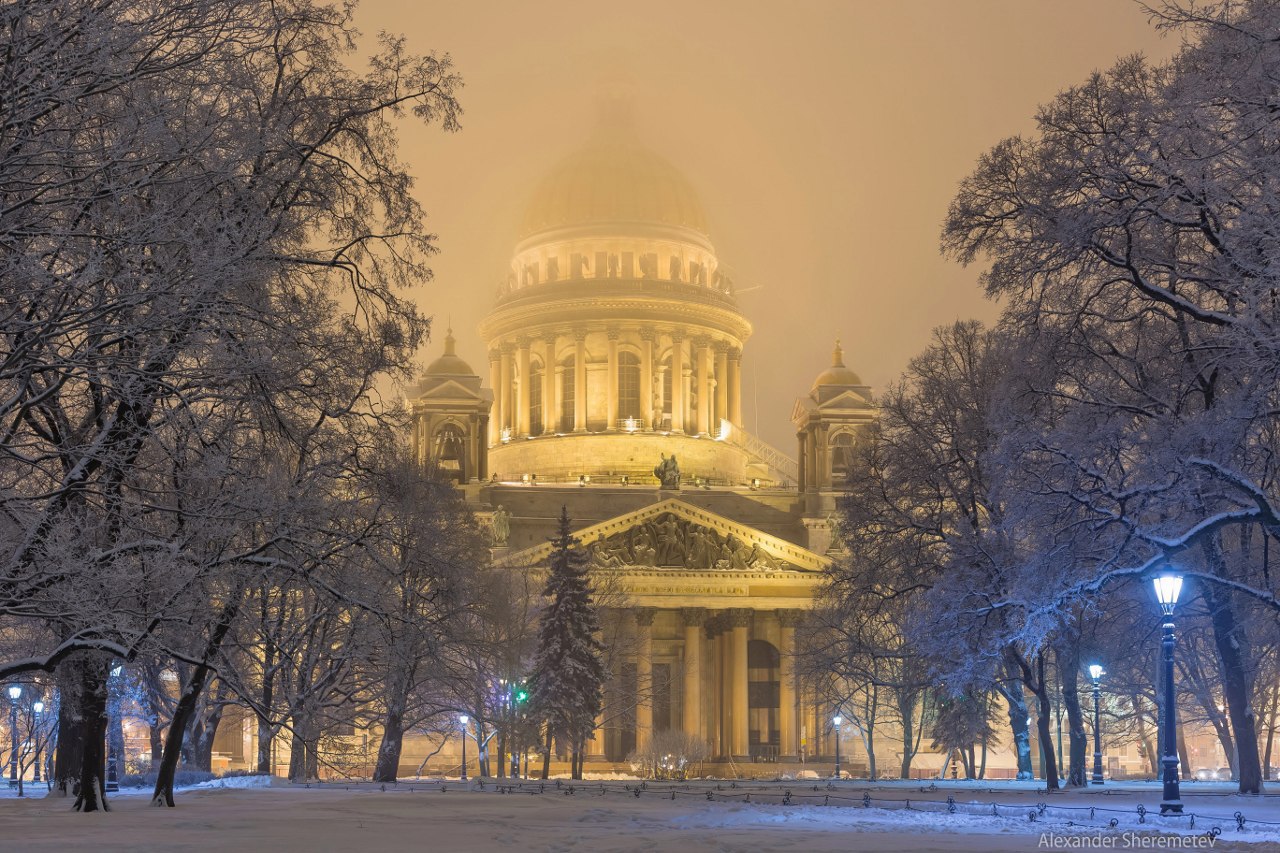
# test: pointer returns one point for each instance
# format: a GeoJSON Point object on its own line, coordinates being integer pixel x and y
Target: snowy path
{"type": "Point", "coordinates": [364, 818]}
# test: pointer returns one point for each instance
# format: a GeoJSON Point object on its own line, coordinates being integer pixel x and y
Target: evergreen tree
{"type": "Point", "coordinates": [568, 671]}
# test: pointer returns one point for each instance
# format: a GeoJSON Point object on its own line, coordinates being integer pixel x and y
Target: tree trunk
{"type": "Point", "coordinates": [266, 738]}
{"type": "Point", "coordinates": [906, 713]}
{"type": "Point", "coordinates": [1043, 716]}
{"type": "Point", "coordinates": [546, 756]}
{"type": "Point", "coordinates": [1069, 672]}
{"type": "Point", "coordinates": [183, 713]}
{"type": "Point", "coordinates": [388, 766]}
{"type": "Point", "coordinates": [1153, 761]}
{"type": "Point", "coordinates": [1018, 724]}
{"type": "Point", "coordinates": [72, 728]}
{"type": "Point", "coordinates": [1183, 757]}
{"type": "Point", "coordinates": [1228, 636]}
{"type": "Point", "coordinates": [91, 793]}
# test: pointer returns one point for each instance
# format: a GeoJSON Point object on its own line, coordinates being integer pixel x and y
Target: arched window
{"type": "Point", "coordinates": [449, 452]}
{"type": "Point", "coordinates": [567, 385]}
{"type": "Point", "coordinates": [628, 386]}
{"type": "Point", "coordinates": [841, 458]}
{"type": "Point", "coordinates": [535, 399]}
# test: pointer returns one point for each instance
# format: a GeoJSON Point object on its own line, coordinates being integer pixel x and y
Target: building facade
{"type": "Point", "coordinates": [614, 389]}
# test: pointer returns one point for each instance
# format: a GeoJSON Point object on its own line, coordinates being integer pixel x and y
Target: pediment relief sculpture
{"type": "Point", "coordinates": [668, 541]}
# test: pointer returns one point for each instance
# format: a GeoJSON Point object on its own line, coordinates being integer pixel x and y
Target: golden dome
{"type": "Point", "coordinates": [613, 181]}
{"type": "Point", "coordinates": [449, 364]}
{"type": "Point", "coordinates": [837, 373]}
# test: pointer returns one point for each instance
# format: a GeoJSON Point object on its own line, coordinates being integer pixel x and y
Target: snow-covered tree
{"type": "Point", "coordinates": [568, 675]}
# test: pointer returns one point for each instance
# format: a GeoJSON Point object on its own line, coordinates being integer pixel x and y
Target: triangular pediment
{"type": "Point", "coordinates": [448, 389]}
{"type": "Point", "coordinates": [672, 534]}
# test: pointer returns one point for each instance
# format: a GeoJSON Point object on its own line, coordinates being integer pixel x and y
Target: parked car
{"type": "Point", "coordinates": [1204, 774]}
{"type": "Point", "coordinates": [1224, 774]}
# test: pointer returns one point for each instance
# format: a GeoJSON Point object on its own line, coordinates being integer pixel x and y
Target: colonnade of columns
{"type": "Point", "coordinates": [714, 678]}
{"type": "Point", "coordinates": [705, 382]}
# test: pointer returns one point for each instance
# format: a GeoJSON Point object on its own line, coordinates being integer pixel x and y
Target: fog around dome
{"type": "Point", "coordinates": [613, 180]}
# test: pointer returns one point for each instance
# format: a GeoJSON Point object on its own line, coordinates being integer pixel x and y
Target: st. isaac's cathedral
{"type": "Point", "coordinates": [614, 388]}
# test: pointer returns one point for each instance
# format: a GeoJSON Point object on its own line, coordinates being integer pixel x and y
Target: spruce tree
{"type": "Point", "coordinates": [568, 671]}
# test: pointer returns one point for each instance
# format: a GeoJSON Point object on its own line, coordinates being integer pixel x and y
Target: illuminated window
{"type": "Point", "coordinates": [628, 385]}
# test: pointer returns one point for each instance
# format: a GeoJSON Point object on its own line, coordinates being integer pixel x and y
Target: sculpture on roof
{"type": "Point", "coordinates": [668, 472]}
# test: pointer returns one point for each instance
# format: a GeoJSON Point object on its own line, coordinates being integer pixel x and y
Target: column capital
{"type": "Point", "coordinates": [677, 336]}
{"type": "Point", "coordinates": [735, 353]}
{"type": "Point", "coordinates": [507, 347]}
{"type": "Point", "coordinates": [613, 333]}
{"type": "Point", "coordinates": [738, 617]}
{"type": "Point", "coordinates": [720, 347]}
{"type": "Point", "coordinates": [647, 333]}
{"type": "Point", "coordinates": [495, 356]}
{"type": "Point", "coordinates": [790, 618]}
{"type": "Point", "coordinates": [693, 617]}
{"type": "Point", "coordinates": [522, 341]}
{"type": "Point", "coordinates": [580, 333]}
{"type": "Point", "coordinates": [702, 341]}
{"type": "Point", "coordinates": [644, 615]}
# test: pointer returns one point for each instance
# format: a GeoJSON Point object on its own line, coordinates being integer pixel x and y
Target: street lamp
{"type": "Point", "coordinates": [1096, 672]}
{"type": "Point", "coordinates": [463, 720]}
{"type": "Point", "coordinates": [835, 722]}
{"type": "Point", "coordinates": [37, 708]}
{"type": "Point", "coordinates": [113, 710]}
{"type": "Point", "coordinates": [1168, 586]}
{"type": "Point", "coordinates": [15, 693]}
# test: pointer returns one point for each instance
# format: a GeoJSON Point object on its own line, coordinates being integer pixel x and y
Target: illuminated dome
{"type": "Point", "coordinates": [613, 181]}
{"type": "Point", "coordinates": [837, 373]}
{"type": "Point", "coordinates": [449, 364]}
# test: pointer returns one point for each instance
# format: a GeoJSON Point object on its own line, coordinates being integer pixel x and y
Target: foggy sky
{"type": "Point", "coordinates": [825, 140]}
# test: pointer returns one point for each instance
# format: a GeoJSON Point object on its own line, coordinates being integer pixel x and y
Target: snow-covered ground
{"type": "Point", "coordinates": [609, 816]}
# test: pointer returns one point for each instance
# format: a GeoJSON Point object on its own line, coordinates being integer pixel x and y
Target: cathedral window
{"type": "Point", "coordinates": [628, 386]}
{"type": "Point", "coordinates": [841, 458]}
{"type": "Point", "coordinates": [449, 452]}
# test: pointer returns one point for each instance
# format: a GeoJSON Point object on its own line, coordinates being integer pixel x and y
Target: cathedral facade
{"type": "Point", "coordinates": [614, 389]}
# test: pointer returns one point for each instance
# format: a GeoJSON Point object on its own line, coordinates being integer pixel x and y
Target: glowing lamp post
{"type": "Point", "coordinates": [1168, 586]}
{"type": "Point", "coordinates": [113, 711]}
{"type": "Point", "coordinates": [15, 693]}
{"type": "Point", "coordinates": [835, 723]}
{"type": "Point", "coordinates": [1096, 672]}
{"type": "Point", "coordinates": [462, 721]}
{"type": "Point", "coordinates": [37, 709]}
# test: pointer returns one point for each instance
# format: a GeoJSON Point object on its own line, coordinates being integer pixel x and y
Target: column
{"type": "Point", "coordinates": [725, 665]}
{"type": "Point", "coordinates": [722, 387]}
{"type": "Point", "coordinates": [740, 620]}
{"type": "Point", "coordinates": [693, 618]}
{"type": "Point", "coordinates": [679, 392]}
{"type": "Point", "coordinates": [502, 394]}
{"type": "Point", "coordinates": [735, 387]}
{"type": "Point", "coordinates": [550, 388]}
{"type": "Point", "coordinates": [686, 382]}
{"type": "Point", "coordinates": [711, 715]}
{"type": "Point", "coordinates": [644, 675]}
{"type": "Point", "coordinates": [787, 619]}
{"type": "Point", "coordinates": [647, 402]}
{"type": "Point", "coordinates": [495, 382]}
{"type": "Point", "coordinates": [611, 405]}
{"type": "Point", "coordinates": [579, 380]}
{"type": "Point", "coordinates": [523, 389]}
{"type": "Point", "coordinates": [704, 387]}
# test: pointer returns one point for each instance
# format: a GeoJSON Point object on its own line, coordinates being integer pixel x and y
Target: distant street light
{"type": "Point", "coordinates": [1096, 672]}
{"type": "Point", "coordinates": [113, 710]}
{"type": "Point", "coordinates": [1168, 587]}
{"type": "Point", "coordinates": [835, 722]}
{"type": "Point", "coordinates": [37, 708]}
{"type": "Point", "coordinates": [15, 693]}
{"type": "Point", "coordinates": [463, 721]}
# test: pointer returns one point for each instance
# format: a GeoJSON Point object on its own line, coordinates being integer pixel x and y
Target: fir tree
{"type": "Point", "coordinates": [568, 671]}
